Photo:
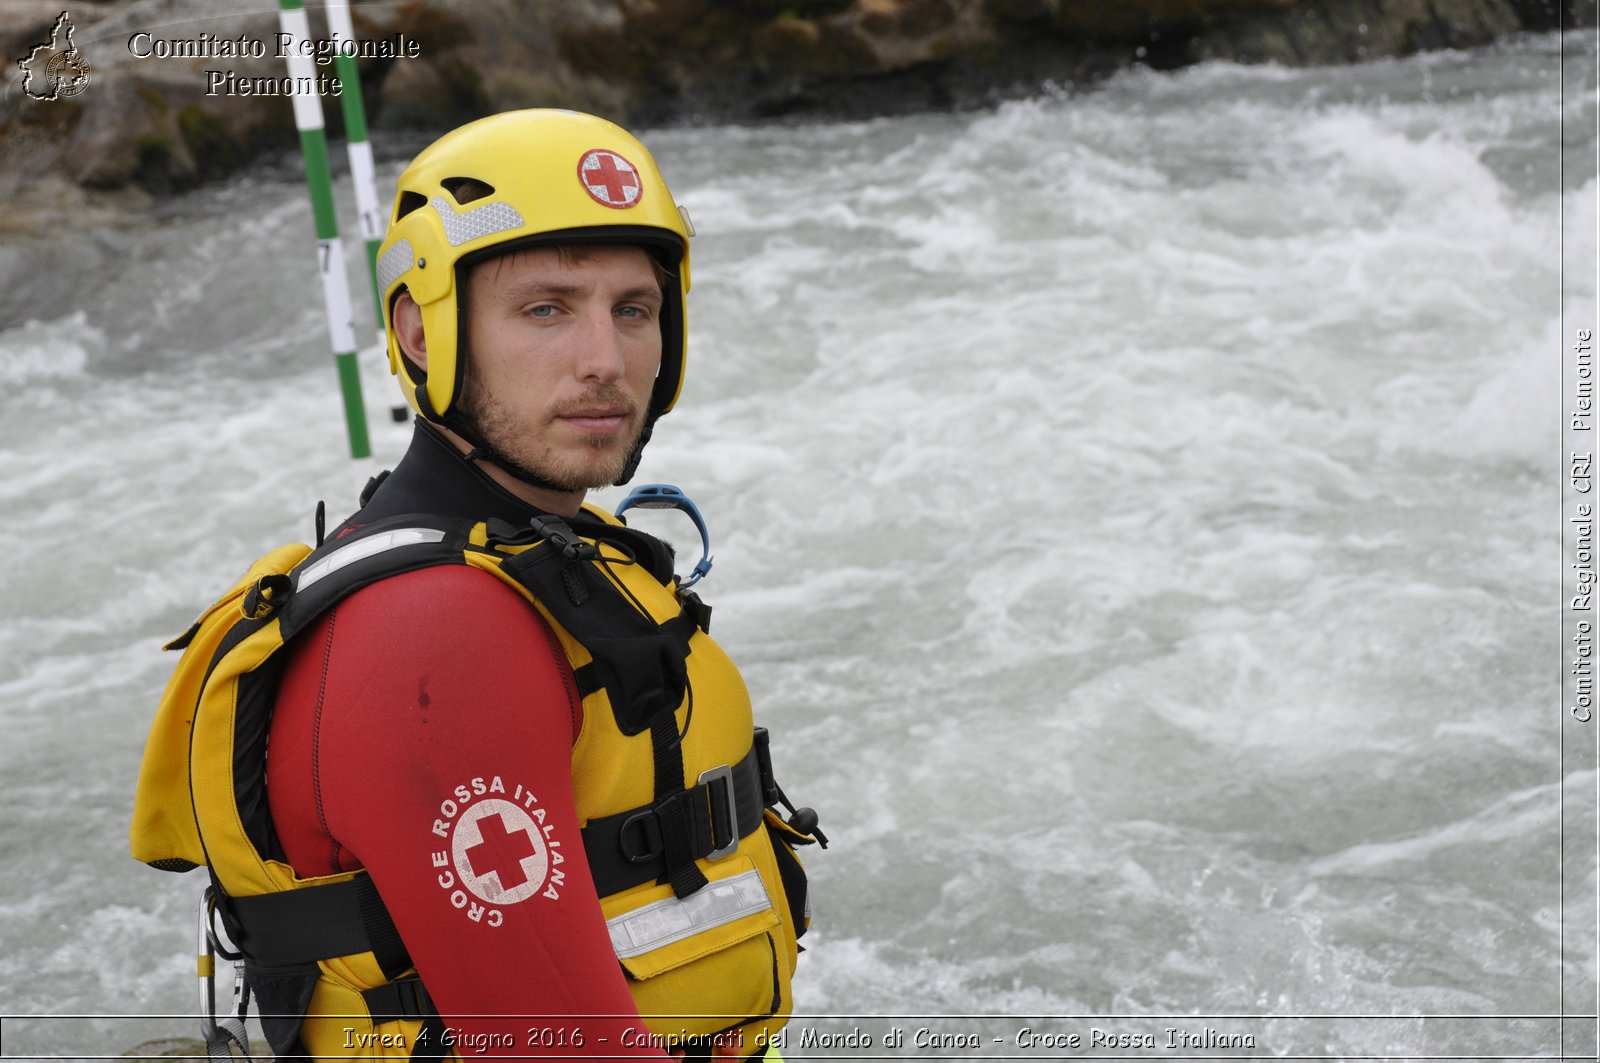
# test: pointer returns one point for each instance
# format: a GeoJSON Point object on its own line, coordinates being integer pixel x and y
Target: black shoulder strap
{"type": "Point", "coordinates": [373, 552]}
{"type": "Point", "coordinates": [641, 664]}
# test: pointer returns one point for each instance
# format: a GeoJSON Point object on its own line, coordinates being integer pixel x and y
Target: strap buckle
{"type": "Point", "coordinates": [640, 836]}
{"type": "Point", "coordinates": [649, 825]}
{"type": "Point", "coordinates": [405, 998]}
{"type": "Point", "coordinates": [729, 804]}
{"type": "Point", "coordinates": [562, 539]}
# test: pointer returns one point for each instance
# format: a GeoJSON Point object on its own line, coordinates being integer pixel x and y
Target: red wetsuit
{"type": "Point", "coordinates": [408, 689]}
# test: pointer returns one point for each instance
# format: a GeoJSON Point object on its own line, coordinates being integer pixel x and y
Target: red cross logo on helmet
{"type": "Point", "coordinates": [610, 179]}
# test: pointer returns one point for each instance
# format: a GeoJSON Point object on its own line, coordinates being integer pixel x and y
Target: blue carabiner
{"type": "Point", "coordinates": [669, 496]}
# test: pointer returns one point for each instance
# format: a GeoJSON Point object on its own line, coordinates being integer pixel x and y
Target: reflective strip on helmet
{"type": "Point", "coordinates": [393, 262]}
{"type": "Point", "coordinates": [664, 922]}
{"type": "Point", "coordinates": [481, 221]}
{"type": "Point", "coordinates": [365, 547]}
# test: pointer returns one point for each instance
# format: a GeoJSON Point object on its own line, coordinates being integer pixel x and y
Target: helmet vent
{"type": "Point", "coordinates": [467, 189]}
{"type": "Point", "coordinates": [409, 201]}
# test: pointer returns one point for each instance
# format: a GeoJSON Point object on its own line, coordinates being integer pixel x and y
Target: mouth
{"type": "Point", "coordinates": [597, 420]}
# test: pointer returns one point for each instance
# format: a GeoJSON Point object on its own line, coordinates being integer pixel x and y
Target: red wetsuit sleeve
{"type": "Point", "coordinates": [424, 731]}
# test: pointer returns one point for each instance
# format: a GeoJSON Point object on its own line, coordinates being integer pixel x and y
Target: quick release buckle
{"type": "Point", "coordinates": [568, 543]}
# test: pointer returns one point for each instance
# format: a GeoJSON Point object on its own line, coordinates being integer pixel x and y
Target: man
{"type": "Point", "coordinates": [524, 740]}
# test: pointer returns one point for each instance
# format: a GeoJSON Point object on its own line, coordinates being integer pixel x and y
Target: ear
{"type": "Point", "coordinates": [408, 330]}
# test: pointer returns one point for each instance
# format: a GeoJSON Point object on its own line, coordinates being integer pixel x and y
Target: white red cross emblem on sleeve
{"type": "Point", "coordinates": [610, 179]}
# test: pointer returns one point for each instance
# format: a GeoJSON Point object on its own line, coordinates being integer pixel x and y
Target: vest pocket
{"type": "Point", "coordinates": [703, 963]}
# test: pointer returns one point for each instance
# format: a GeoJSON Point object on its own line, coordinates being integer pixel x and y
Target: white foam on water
{"type": "Point", "coordinates": [1130, 512]}
{"type": "Point", "coordinates": [41, 351]}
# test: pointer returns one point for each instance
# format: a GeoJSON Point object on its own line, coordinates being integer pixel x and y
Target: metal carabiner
{"type": "Point", "coordinates": [219, 1034]}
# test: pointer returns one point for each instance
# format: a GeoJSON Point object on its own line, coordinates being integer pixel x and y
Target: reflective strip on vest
{"type": "Point", "coordinates": [663, 922]}
{"type": "Point", "coordinates": [365, 547]}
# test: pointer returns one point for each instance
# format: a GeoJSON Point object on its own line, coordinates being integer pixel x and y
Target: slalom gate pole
{"type": "Point", "coordinates": [330, 251]}
{"type": "Point", "coordinates": [370, 213]}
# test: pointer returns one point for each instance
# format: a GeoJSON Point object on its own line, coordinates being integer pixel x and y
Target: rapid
{"type": "Point", "coordinates": [1136, 513]}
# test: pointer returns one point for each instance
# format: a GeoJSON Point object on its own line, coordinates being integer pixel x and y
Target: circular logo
{"type": "Point", "coordinates": [499, 853]}
{"type": "Point", "coordinates": [610, 179]}
{"type": "Point", "coordinates": [67, 74]}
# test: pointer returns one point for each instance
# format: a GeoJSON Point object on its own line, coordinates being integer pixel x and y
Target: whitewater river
{"type": "Point", "coordinates": [1136, 513]}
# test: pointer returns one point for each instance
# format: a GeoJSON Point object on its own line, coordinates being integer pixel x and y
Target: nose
{"type": "Point", "coordinates": [600, 356]}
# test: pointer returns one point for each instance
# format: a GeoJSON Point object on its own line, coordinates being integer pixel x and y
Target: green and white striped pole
{"type": "Point", "coordinates": [362, 176]}
{"type": "Point", "coordinates": [330, 251]}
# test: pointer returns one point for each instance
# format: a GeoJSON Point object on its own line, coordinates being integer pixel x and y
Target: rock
{"type": "Point", "coordinates": [27, 23]}
{"type": "Point", "coordinates": [1341, 31]}
{"type": "Point", "coordinates": [668, 57]}
{"type": "Point", "coordinates": [1540, 15]}
{"type": "Point", "coordinates": [741, 60]}
{"type": "Point", "coordinates": [144, 119]}
{"type": "Point", "coordinates": [167, 1048]}
{"type": "Point", "coordinates": [133, 137]}
{"type": "Point", "coordinates": [1133, 21]}
{"type": "Point", "coordinates": [482, 57]}
{"type": "Point", "coordinates": [792, 9]}
{"type": "Point", "coordinates": [52, 210]}
{"type": "Point", "coordinates": [160, 124]}
{"type": "Point", "coordinates": [906, 19]}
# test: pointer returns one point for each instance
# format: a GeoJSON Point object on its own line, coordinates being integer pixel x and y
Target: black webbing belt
{"type": "Point", "coordinates": [337, 919]}
{"type": "Point", "coordinates": [317, 923]}
{"type": "Point", "coordinates": [405, 999]}
{"type": "Point", "coordinates": [630, 847]}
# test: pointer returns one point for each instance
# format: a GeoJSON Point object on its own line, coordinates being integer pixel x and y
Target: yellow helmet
{"type": "Point", "coordinates": [552, 177]}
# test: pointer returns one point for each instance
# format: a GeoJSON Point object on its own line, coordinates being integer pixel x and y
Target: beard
{"type": "Point", "coordinates": [502, 436]}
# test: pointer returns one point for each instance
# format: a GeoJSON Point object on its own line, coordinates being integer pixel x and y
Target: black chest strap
{"type": "Point", "coordinates": [630, 848]}
{"type": "Point", "coordinates": [643, 667]}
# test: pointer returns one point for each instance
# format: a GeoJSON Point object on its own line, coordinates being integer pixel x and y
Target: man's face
{"type": "Point", "coordinates": [564, 354]}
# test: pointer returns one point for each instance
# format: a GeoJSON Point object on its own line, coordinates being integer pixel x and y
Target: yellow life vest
{"type": "Point", "coordinates": [703, 895]}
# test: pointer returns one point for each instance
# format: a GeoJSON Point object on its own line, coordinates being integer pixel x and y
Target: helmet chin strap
{"type": "Point", "coordinates": [464, 427]}
{"type": "Point", "coordinates": [638, 451]}
{"type": "Point", "coordinates": [483, 450]}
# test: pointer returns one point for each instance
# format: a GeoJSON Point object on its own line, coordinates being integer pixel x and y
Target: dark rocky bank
{"type": "Point", "coordinates": [149, 123]}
